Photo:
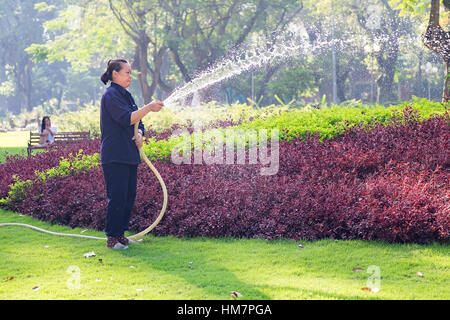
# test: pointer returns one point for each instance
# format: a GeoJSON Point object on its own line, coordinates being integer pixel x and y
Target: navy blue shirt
{"type": "Point", "coordinates": [116, 107]}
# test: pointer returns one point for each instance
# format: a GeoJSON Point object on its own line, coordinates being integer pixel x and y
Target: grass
{"type": "Point", "coordinates": [14, 139]}
{"type": "Point", "coordinates": [14, 142]}
{"type": "Point", "coordinates": [207, 268]}
{"type": "Point", "coordinates": [4, 152]}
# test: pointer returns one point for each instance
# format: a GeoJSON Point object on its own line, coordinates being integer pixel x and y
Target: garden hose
{"type": "Point", "coordinates": [50, 232]}
{"type": "Point", "coordinates": [134, 237]}
{"type": "Point", "coordinates": [163, 186]}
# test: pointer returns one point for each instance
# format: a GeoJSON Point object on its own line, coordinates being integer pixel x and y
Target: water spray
{"type": "Point", "coordinates": [253, 58]}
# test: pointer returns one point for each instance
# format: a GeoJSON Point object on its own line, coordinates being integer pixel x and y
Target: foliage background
{"type": "Point", "coordinates": [53, 52]}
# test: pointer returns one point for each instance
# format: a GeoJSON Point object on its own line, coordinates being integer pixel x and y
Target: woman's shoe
{"type": "Point", "coordinates": [114, 243]}
{"type": "Point", "coordinates": [124, 240]}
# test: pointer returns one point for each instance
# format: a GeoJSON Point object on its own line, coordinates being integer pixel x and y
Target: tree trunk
{"type": "Point", "coordinates": [342, 76]}
{"type": "Point", "coordinates": [271, 70]}
{"type": "Point", "coordinates": [179, 63]}
{"type": "Point", "coordinates": [140, 64]}
{"type": "Point", "coordinates": [388, 54]}
{"type": "Point", "coordinates": [156, 73]}
{"type": "Point", "coordinates": [446, 88]}
{"type": "Point", "coordinates": [386, 60]}
{"type": "Point", "coordinates": [22, 74]}
{"type": "Point", "coordinates": [438, 40]}
{"type": "Point", "coordinates": [27, 85]}
{"type": "Point", "coordinates": [386, 80]}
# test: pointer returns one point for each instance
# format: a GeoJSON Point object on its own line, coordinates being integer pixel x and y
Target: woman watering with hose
{"type": "Point", "coordinates": [119, 149]}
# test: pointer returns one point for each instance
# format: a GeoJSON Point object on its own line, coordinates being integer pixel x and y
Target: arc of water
{"type": "Point", "coordinates": [254, 58]}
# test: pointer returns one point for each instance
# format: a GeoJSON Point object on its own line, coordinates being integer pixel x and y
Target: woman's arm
{"type": "Point", "coordinates": [153, 106]}
{"type": "Point", "coordinates": [43, 137]}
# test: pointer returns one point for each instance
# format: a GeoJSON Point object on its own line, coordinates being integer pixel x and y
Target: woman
{"type": "Point", "coordinates": [119, 148]}
{"type": "Point", "coordinates": [47, 135]}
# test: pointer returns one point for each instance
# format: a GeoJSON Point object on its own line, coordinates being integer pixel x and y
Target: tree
{"type": "Point", "coordinates": [438, 40]}
{"type": "Point", "coordinates": [386, 32]}
{"type": "Point", "coordinates": [78, 40]}
{"type": "Point", "coordinates": [214, 30]}
{"type": "Point", "coordinates": [21, 26]}
{"type": "Point", "coordinates": [350, 39]}
{"type": "Point", "coordinates": [435, 37]}
{"type": "Point", "coordinates": [144, 23]}
{"type": "Point", "coordinates": [149, 30]}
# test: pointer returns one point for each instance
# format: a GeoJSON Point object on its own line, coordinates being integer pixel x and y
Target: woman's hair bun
{"type": "Point", "coordinates": [112, 64]}
{"type": "Point", "coordinates": [105, 77]}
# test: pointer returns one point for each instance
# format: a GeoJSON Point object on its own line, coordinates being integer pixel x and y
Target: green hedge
{"type": "Point", "coordinates": [293, 123]}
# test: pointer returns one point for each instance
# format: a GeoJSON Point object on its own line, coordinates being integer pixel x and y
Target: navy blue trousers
{"type": "Point", "coordinates": [121, 181]}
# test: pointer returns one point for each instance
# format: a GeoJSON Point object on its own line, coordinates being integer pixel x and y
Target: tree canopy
{"type": "Point", "coordinates": [374, 51]}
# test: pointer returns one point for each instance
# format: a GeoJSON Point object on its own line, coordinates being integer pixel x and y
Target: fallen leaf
{"type": "Point", "coordinates": [89, 254]}
{"type": "Point", "coordinates": [357, 269]}
{"type": "Point", "coordinates": [10, 278]}
{"type": "Point", "coordinates": [370, 289]}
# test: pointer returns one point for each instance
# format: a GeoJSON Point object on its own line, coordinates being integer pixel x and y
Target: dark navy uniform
{"type": "Point", "coordinates": [119, 156]}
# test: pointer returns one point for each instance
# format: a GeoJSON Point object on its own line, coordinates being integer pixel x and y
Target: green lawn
{"type": "Point", "coordinates": [4, 152]}
{"type": "Point", "coordinates": [14, 139]}
{"type": "Point", "coordinates": [14, 142]}
{"type": "Point", "coordinates": [206, 268]}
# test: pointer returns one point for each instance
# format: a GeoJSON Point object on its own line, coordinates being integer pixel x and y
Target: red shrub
{"type": "Point", "coordinates": [25, 167]}
{"type": "Point", "coordinates": [390, 183]}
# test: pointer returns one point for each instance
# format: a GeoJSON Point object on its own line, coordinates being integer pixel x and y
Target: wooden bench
{"type": "Point", "coordinates": [60, 138]}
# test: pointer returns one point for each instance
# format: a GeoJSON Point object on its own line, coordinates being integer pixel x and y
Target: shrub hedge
{"type": "Point", "coordinates": [387, 183]}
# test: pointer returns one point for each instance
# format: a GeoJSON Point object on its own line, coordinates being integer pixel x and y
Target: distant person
{"type": "Point", "coordinates": [119, 149]}
{"type": "Point", "coordinates": [47, 132]}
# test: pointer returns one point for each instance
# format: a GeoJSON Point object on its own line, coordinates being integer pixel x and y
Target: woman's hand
{"type": "Point", "coordinates": [137, 115]}
{"type": "Point", "coordinates": [139, 140]}
{"type": "Point", "coordinates": [155, 106]}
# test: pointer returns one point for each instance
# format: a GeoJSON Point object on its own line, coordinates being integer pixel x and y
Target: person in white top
{"type": "Point", "coordinates": [47, 132]}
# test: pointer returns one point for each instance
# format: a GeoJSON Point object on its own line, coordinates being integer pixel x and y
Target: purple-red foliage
{"type": "Point", "coordinates": [25, 167]}
{"type": "Point", "coordinates": [77, 200]}
{"type": "Point", "coordinates": [390, 183]}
